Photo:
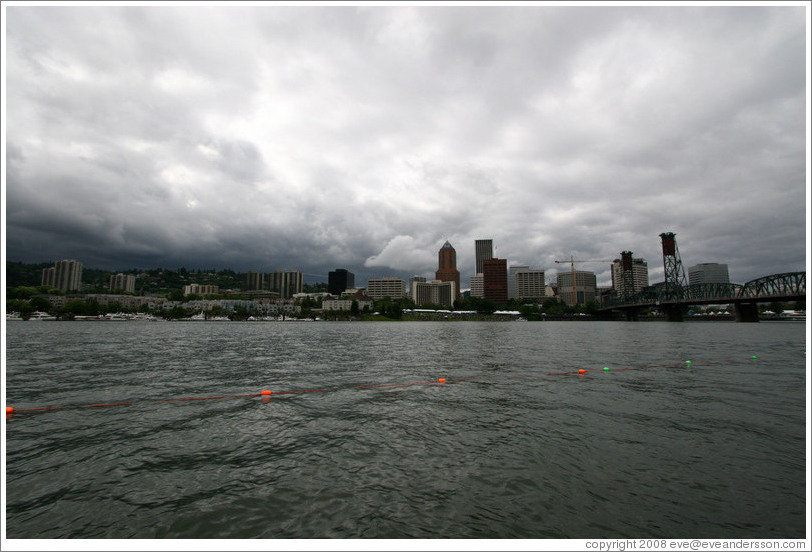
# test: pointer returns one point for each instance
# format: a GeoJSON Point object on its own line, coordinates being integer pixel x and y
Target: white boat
{"type": "Point", "coordinates": [13, 316]}
{"type": "Point", "coordinates": [200, 316]}
{"type": "Point", "coordinates": [39, 315]}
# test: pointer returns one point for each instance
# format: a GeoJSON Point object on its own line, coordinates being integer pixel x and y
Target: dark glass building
{"type": "Point", "coordinates": [340, 280]}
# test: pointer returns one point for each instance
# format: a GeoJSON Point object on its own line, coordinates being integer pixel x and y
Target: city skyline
{"type": "Point", "coordinates": [309, 138]}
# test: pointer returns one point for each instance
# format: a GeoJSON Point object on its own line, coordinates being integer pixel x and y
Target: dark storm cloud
{"type": "Point", "coordinates": [313, 138]}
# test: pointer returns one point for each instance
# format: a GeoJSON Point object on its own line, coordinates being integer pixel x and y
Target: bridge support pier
{"type": "Point", "coordinates": [746, 312]}
{"type": "Point", "coordinates": [673, 313]}
{"type": "Point", "coordinates": [630, 315]}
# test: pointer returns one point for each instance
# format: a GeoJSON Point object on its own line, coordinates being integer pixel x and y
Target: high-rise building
{"type": "Point", "coordinates": [494, 283]}
{"type": "Point", "coordinates": [285, 283]}
{"type": "Point", "coordinates": [708, 273]}
{"type": "Point", "coordinates": [447, 270]}
{"type": "Point", "coordinates": [391, 287]}
{"type": "Point", "coordinates": [340, 280]}
{"type": "Point", "coordinates": [65, 275]}
{"type": "Point", "coordinates": [483, 250]}
{"type": "Point", "coordinates": [585, 286]}
{"type": "Point", "coordinates": [254, 280]}
{"type": "Point", "coordinates": [124, 282]}
{"type": "Point", "coordinates": [512, 279]}
{"type": "Point", "coordinates": [414, 279]}
{"type": "Point", "coordinates": [530, 284]}
{"type": "Point", "coordinates": [639, 276]}
{"type": "Point", "coordinates": [435, 292]}
{"type": "Point", "coordinates": [477, 285]}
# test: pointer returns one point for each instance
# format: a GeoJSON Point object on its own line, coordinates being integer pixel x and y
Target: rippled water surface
{"type": "Point", "coordinates": [661, 448]}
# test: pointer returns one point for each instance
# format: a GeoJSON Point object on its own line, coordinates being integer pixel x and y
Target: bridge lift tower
{"type": "Point", "coordinates": [572, 262]}
{"type": "Point", "coordinates": [676, 285]}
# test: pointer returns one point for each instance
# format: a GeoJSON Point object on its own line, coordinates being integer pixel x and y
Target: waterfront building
{"type": "Point", "coordinates": [530, 284]}
{"type": "Point", "coordinates": [483, 250]}
{"type": "Point", "coordinates": [639, 277]}
{"type": "Point", "coordinates": [477, 285]}
{"type": "Point", "coordinates": [254, 281]}
{"type": "Point", "coordinates": [125, 282]}
{"type": "Point", "coordinates": [339, 280]}
{"type": "Point", "coordinates": [436, 292]}
{"type": "Point", "coordinates": [585, 286]}
{"type": "Point", "coordinates": [65, 275]}
{"type": "Point", "coordinates": [494, 283]}
{"type": "Point", "coordinates": [378, 288]}
{"type": "Point", "coordinates": [285, 283]}
{"type": "Point", "coordinates": [447, 270]}
{"type": "Point", "coordinates": [708, 273]}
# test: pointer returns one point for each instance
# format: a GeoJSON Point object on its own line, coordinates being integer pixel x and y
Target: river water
{"type": "Point", "coordinates": [652, 447]}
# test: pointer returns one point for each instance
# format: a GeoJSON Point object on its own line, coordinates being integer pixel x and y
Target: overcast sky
{"type": "Point", "coordinates": [320, 137]}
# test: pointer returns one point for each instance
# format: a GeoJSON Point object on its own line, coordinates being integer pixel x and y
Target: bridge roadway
{"type": "Point", "coordinates": [788, 286]}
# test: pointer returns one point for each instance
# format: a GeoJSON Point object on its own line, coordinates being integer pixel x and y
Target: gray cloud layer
{"type": "Point", "coordinates": [265, 137]}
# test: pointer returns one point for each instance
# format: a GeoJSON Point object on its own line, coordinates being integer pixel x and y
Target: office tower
{"type": "Point", "coordinates": [65, 275]}
{"type": "Point", "coordinates": [708, 273]}
{"type": "Point", "coordinates": [394, 288]}
{"type": "Point", "coordinates": [340, 280]}
{"type": "Point", "coordinates": [639, 276]}
{"type": "Point", "coordinates": [483, 250]}
{"type": "Point", "coordinates": [435, 292]}
{"type": "Point", "coordinates": [512, 294]}
{"type": "Point", "coordinates": [495, 280]}
{"type": "Point", "coordinates": [285, 283]}
{"type": "Point", "coordinates": [124, 282]}
{"type": "Point", "coordinates": [477, 286]}
{"type": "Point", "coordinates": [447, 271]}
{"type": "Point", "coordinates": [254, 280]}
{"type": "Point", "coordinates": [585, 286]}
{"type": "Point", "coordinates": [530, 284]}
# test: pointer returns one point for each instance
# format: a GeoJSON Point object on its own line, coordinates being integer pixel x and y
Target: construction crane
{"type": "Point", "coordinates": [572, 262]}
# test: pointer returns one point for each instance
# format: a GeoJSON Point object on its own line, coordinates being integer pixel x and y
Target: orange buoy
{"type": "Point", "coordinates": [9, 409]}
{"type": "Point", "coordinates": [582, 371]}
{"type": "Point", "coordinates": [441, 380]}
{"type": "Point", "coordinates": [265, 392]}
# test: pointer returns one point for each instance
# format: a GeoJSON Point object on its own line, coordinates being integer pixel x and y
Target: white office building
{"type": "Point", "coordinates": [391, 287]}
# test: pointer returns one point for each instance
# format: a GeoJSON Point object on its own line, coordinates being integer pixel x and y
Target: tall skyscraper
{"type": "Point", "coordinates": [447, 270]}
{"type": "Point", "coordinates": [340, 280]}
{"type": "Point", "coordinates": [495, 280]}
{"type": "Point", "coordinates": [65, 275]}
{"type": "Point", "coordinates": [483, 250]}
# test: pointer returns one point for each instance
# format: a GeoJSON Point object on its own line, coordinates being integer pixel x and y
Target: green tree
{"type": "Point", "coordinates": [354, 309]}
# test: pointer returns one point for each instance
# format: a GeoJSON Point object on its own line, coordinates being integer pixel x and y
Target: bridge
{"type": "Point", "coordinates": [674, 295]}
{"type": "Point", "coordinates": [674, 301]}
